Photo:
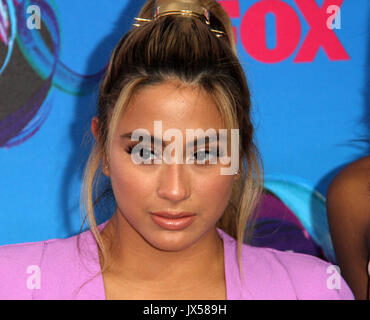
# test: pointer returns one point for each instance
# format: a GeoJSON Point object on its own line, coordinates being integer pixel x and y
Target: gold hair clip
{"type": "Point", "coordinates": [183, 7]}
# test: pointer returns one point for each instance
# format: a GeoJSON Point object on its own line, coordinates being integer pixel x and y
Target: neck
{"type": "Point", "coordinates": [134, 261]}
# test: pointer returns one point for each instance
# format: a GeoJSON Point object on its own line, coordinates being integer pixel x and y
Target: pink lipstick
{"type": "Point", "coordinates": [173, 220]}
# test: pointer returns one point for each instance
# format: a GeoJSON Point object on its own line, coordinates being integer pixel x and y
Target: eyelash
{"type": "Point", "coordinates": [217, 154]}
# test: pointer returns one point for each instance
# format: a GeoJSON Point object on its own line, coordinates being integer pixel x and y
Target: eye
{"type": "Point", "coordinates": [206, 155]}
{"type": "Point", "coordinates": [202, 155]}
{"type": "Point", "coordinates": [143, 153]}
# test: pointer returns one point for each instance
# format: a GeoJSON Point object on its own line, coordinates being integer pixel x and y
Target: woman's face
{"type": "Point", "coordinates": [143, 189]}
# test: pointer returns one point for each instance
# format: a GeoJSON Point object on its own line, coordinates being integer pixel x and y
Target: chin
{"type": "Point", "coordinates": [165, 240]}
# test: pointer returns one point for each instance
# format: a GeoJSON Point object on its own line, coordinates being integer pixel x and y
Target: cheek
{"type": "Point", "coordinates": [215, 192]}
{"type": "Point", "coordinates": [130, 184]}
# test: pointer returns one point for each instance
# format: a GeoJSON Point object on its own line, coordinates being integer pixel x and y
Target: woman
{"type": "Point", "coordinates": [349, 220]}
{"type": "Point", "coordinates": [177, 228]}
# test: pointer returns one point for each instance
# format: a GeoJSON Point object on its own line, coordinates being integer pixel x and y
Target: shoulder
{"type": "Point", "coordinates": [307, 276]}
{"type": "Point", "coordinates": [352, 182]}
{"type": "Point", "coordinates": [349, 221]}
{"type": "Point", "coordinates": [17, 263]}
{"type": "Point", "coordinates": [347, 205]}
{"type": "Point", "coordinates": [274, 274]}
{"type": "Point", "coordinates": [357, 167]}
{"type": "Point", "coordinates": [36, 270]}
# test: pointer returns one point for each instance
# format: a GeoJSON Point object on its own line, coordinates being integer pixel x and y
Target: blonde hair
{"type": "Point", "coordinates": [185, 50]}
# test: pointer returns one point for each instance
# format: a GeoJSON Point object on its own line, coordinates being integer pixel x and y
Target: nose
{"type": "Point", "coordinates": [173, 182]}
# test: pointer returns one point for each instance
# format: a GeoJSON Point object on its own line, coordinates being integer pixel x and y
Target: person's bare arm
{"type": "Point", "coordinates": [348, 208]}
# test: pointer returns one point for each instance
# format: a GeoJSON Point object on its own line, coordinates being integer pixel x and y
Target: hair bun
{"type": "Point", "coordinates": [220, 20]}
{"type": "Point", "coordinates": [214, 14]}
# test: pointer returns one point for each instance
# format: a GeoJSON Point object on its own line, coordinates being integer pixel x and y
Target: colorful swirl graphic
{"type": "Point", "coordinates": [20, 122]}
{"type": "Point", "coordinates": [308, 205]}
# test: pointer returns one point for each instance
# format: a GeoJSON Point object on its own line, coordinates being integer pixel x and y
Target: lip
{"type": "Point", "coordinates": [172, 220]}
{"type": "Point", "coordinates": [172, 215]}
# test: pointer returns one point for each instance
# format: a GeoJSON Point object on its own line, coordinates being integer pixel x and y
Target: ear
{"type": "Point", "coordinates": [94, 126]}
{"type": "Point", "coordinates": [237, 175]}
{"type": "Point", "coordinates": [105, 169]}
{"type": "Point", "coordinates": [94, 130]}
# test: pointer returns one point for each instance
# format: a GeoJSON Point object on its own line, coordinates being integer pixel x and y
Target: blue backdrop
{"type": "Point", "coordinates": [309, 85]}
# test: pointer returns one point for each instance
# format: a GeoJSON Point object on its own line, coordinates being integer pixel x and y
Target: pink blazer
{"type": "Point", "coordinates": [56, 269]}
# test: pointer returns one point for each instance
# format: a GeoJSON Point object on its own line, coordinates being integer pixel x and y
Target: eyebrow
{"type": "Point", "coordinates": [210, 139]}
